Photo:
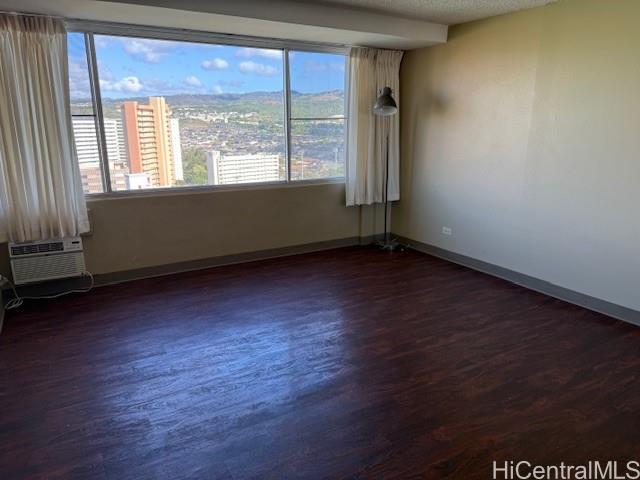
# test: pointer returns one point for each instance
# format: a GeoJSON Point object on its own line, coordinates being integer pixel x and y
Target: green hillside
{"type": "Point", "coordinates": [268, 105]}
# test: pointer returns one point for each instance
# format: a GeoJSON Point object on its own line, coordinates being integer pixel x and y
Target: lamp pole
{"type": "Point", "coordinates": [386, 194]}
{"type": "Point", "coordinates": [386, 106]}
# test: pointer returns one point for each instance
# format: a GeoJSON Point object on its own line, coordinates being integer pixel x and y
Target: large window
{"type": "Point", "coordinates": [150, 113]}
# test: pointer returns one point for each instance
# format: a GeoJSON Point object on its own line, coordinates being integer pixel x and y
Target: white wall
{"type": "Point", "coordinates": [522, 134]}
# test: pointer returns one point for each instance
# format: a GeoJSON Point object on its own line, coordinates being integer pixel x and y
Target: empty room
{"type": "Point", "coordinates": [319, 239]}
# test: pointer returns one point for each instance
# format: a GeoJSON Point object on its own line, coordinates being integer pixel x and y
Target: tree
{"type": "Point", "coordinates": [194, 165]}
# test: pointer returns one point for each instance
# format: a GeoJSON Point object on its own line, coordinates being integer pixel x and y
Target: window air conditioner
{"type": "Point", "coordinates": [46, 260]}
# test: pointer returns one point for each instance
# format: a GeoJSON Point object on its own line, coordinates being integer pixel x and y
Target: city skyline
{"type": "Point", "coordinates": [145, 140]}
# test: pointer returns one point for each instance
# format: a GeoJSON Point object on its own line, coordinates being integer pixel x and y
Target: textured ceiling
{"type": "Point", "coordinates": [449, 12]}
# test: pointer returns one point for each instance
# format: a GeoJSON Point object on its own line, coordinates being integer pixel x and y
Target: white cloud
{"type": "Point", "coordinates": [259, 52]}
{"type": "Point", "coordinates": [193, 81]}
{"type": "Point", "coordinates": [147, 50]}
{"type": "Point", "coordinates": [105, 71]}
{"type": "Point", "coordinates": [217, 89]}
{"type": "Point", "coordinates": [126, 84]}
{"type": "Point", "coordinates": [215, 64]}
{"type": "Point", "coordinates": [102, 41]}
{"type": "Point", "coordinates": [251, 67]}
{"type": "Point", "coordinates": [78, 80]}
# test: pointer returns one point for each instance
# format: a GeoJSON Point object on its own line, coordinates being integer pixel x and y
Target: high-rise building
{"type": "Point", "coordinates": [177, 149]}
{"type": "Point", "coordinates": [148, 136]}
{"type": "Point", "coordinates": [84, 131]}
{"type": "Point", "coordinates": [230, 169]}
{"type": "Point", "coordinates": [114, 138]}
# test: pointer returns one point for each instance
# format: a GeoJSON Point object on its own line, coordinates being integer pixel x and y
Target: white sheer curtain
{"type": "Point", "coordinates": [41, 193]}
{"type": "Point", "coordinates": [370, 70]}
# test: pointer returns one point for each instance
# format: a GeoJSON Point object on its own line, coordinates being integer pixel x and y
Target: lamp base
{"type": "Point", "coordinates": [390, 245]}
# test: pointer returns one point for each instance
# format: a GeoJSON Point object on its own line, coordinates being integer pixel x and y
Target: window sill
{"type": "Point", "coordinates": [165, 192]}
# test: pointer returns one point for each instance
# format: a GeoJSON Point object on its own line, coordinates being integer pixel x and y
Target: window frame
{"type": "Point", "coordinates": [91, 28]}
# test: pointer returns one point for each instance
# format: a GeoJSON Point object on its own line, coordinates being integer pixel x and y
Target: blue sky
{"type": "Point", "coordinates": [140, 67]}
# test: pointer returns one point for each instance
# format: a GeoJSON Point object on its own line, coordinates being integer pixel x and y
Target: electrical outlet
{"type": "Point", "coordinates": [447, 231]}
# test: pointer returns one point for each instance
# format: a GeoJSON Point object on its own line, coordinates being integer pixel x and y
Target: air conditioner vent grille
{"type": "Point", "coordinates": [27, 249]}
{"type": "Point", "coordinates": [30, 269]}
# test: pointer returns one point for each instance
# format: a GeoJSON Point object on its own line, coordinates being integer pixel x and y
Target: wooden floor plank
{"type": "Point", "coordinates": [349, 363]}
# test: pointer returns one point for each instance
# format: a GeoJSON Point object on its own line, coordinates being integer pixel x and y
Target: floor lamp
{"type": "Point", "coordinates": [386, 106]}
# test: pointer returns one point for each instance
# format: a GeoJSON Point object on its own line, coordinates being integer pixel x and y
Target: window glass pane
{"type": "Point", "coordinates": [84, 132]}
{"type": "Point", "coordinates": [317, 149]}
{"type": "Point", "coordinates": [84, 121]}
{"type": "Point", "coordinates": [79, 86]}
{"type": "Point", "coordinates": [183, 114]}
{"type": "Point", "coordinates": [317, 84]}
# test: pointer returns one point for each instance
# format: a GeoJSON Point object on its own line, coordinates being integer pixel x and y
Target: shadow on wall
{"type": "Point", "coordinates": [417, 115]}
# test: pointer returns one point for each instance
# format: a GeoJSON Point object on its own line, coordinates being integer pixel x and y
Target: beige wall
{"type": "Point", "coordinates": [522, 134]}
{"type": "Point", "coordinates": [146, 231]}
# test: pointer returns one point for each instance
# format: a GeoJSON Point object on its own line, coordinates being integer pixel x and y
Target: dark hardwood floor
{"type": "Point", "coordinates": [349, 363]}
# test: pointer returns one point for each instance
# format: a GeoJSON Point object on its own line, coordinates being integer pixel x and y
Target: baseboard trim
{"type": "Point", "coordinates": [592, 303]}
{"type": "Point", "coordinates": [49, 288]}
{"type": "Point", "coordinates": [201, 264]}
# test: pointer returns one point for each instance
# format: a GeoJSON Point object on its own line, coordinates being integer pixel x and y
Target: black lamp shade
{"type": "Point", "coordinates": [385, 105]}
